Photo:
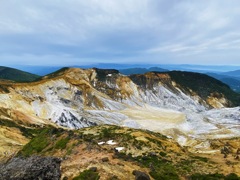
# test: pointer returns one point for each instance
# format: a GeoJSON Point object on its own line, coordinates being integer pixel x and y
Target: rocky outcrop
{"type": "Point", "coordinates": [140, 175]}
{"type": "Point", "coordinates": [42, 168]}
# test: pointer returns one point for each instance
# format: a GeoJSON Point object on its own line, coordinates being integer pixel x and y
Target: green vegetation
{"type": "Point", "coordinates": [233, 83]}
{"type": "Point", "coordinates": [102, 73]}
{"type": "Point", "coordinates": [37, 144]}
{"type": "Point", "coordinates": [47, 139]}
{"type": "Point", "coordinates": [232, 176]}
{"type": "Point", "coordinates": [161, 169]}
{"type": "Point", "coordinates": [206, 176]}
{"type": "Point", "coordinates": [198, 176]}
{"type": "Point", "coordinates": [204, 85]}
{"type": "Point", "coordinates": [87, 175]}
{"type": "Point", "coordinates": [155, 141]}
{"type": "Point", "coordinates": [106, 133]}
{"type": "Point", "coordinates": [203, 159]}
{"type": "Point", "coordinates": [62, 143]}
{"type": "Point", "coordinates": [16, 75]}
{"type": "Point", "coordinates": [159, 135]}
{"type": "Point", "coordinates": [163, 154]}
{"type": "Point", "coordinates": [201, 84]}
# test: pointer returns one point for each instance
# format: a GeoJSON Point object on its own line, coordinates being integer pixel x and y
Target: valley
{"type": "Point", "coordinates": [198, 114]}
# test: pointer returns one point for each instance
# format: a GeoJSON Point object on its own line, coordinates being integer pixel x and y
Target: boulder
{"type": "Point", "coordinates": [34, 167]}
{"type": "Point", "coordinates": [105, 159]}
{"type": "Point", "coordinates": [93, 169]}
{"type": "Point", "coordinates": [139, 175]}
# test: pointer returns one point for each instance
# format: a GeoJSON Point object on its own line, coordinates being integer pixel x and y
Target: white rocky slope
{"type": "Point", "coordinates": [76, 99]}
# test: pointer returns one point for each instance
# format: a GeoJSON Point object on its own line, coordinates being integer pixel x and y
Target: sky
{"type": "Point", "coordinates": [81, 32]}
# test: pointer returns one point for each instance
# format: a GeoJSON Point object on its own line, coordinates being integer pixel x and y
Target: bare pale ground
{"type": "Point", "coordinates": [153, 118]}
{"type": "Point", "coordinates": [150, 113]}
{"type": "Point", "coordinates": [168, 122]}
{"type": "Point", "coordinates": [172, 123]}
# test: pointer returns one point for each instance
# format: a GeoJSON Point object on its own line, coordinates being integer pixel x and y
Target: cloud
{"type": "Point", "coordinates": [79, 31]}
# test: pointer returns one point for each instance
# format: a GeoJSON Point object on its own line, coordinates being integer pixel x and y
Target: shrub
{"type": "Point", "coordinates": [164, 171]}
{"type": "Point", "coordinates": [163, 154]}
{"type": "Point", "coordinates": [232, 176]}
{"type": "Point", "coordinates": [198, 176]}
{"type": "Point", "coordinates": [37, 144]}
{"type": "Point", "coordinates": [106, 133]}
{"type": "Point", "coordinates": [87, 175]}
{"type": "Point", "coordinates": [62, 143]}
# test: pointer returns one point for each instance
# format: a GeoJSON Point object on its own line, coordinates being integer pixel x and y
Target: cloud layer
{"type": "Point", "coordinates": [76, 32]}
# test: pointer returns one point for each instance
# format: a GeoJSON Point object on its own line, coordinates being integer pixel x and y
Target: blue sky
{"type": "Point", "coordinates": [80, 32]}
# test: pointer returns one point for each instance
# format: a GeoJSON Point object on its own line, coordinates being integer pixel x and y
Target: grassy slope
{"type": "Point", "coordinates": [16, 75]}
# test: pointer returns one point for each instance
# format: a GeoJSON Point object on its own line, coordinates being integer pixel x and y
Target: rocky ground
{"type": "Point", "coordinates": [33, 167]}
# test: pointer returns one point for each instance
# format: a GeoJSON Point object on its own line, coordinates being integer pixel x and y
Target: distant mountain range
{"type": "Point", "coordinates": [131, 71]}
{"type": "Point", "coordinates": [43, 70]}
{"type": "Point", "coordinates": [233, 73]}
{"type": "Point", "coordinates": [231, 78]}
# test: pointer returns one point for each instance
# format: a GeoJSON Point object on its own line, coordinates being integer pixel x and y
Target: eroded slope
{"type": "Point", "coordinates": [164, 102]}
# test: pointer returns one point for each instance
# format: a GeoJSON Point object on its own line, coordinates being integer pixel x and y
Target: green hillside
{"type": "Point", "coordinates": [16, 75]}
{"type": "Point", "coordinates": [204, 85]}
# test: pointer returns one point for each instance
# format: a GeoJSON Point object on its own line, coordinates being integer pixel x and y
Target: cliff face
{"type": "Point", "coordinates": [164, 102]}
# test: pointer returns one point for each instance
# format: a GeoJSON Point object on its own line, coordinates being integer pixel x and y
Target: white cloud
{"type": "Point", "coordinates": [105, 30]}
